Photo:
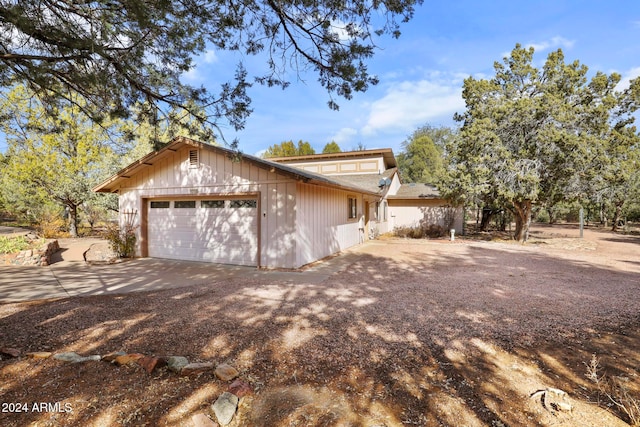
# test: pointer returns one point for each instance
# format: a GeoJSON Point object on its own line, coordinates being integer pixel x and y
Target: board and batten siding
{"type": "Point", "coordinates": [217, 175]}
{"type": "Point", "coordinates": [410, 213]}
{"type": "Point", "coordinates": [323, 226]}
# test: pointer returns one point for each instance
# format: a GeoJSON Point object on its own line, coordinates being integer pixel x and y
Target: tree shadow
{"type": "Point", "coordinates": [415, 334]}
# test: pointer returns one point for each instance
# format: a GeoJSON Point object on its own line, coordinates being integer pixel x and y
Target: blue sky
{"type": "Point", "coordinates": [421, 74]}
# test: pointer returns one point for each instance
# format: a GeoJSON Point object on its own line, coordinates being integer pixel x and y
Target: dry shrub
{"type": "Point", "coordinates": [123, 241]}
{"type": "Point", "coordinates": [432, 231]}
{"type": "Point", "coordinates": [50, 224]}
{"type": "Point", "coordinates": [616, 392]}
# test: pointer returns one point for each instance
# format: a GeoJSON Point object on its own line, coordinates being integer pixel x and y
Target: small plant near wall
{"type": "Point", "coordinates": [123, 240]}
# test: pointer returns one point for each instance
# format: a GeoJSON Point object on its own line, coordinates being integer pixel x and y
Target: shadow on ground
{"type": "Point", "coordinates": [428, 334]}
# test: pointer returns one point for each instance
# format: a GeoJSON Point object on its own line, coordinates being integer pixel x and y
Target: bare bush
{"type": "Point", "coordinates": [616, 392]}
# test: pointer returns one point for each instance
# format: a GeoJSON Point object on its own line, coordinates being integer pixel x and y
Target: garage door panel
{"type": "Point", "coordinates": [221, 235]}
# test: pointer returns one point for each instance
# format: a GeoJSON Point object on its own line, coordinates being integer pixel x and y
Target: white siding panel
{"type": "Point", "coordinates": [224, 235]}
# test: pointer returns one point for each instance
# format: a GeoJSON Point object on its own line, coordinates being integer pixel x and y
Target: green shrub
{"type": "Point", "coordinates": [9, 245]}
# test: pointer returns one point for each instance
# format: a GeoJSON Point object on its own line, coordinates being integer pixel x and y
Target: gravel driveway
{"type": "Point", "coordinates": [410, 333]}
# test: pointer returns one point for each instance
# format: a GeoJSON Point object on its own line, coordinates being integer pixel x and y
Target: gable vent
{"type": "Point", "coordinates": [193, 159]}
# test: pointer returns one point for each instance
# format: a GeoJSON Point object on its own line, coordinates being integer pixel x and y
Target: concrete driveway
{"type": "Point", "coordinates": [69, 275]}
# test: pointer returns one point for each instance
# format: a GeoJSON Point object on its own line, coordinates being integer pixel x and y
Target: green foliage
{"type": "Point", "coordinates": [116, 53]}
{"type": "Point", "coordinates": [422, 158]}
{"type": "Point", "coordinates": [541, 136]}
{"type": "Point", "coordinates": [9, 245]}
{"type": "Point", "coordinates": [331, 147]}
{"type": "Point", "coordinates": [52, 161]}
{"type": "Point", "coordinates": [288, 149]}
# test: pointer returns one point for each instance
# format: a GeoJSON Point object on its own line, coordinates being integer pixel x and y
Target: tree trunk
{"type": "Point", "coordinates": [616, 216]}
{"type": "Point", "coordinates": [73, 220]}
{"type": "Point", "coordinates": [522, 211]}
{"type": "Point", "coordinates": [486, 218]}
{"type": "Point", "coordinates": [552, 215]}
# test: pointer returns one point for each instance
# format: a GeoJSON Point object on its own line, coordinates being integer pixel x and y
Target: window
{"type": "Point", "coordinates": [194, 160]}
{"type": "Point", "coordinates": [212, 204]}
{"type": "Point", "coordinates": [377, 212]}
{"type": "Point", "coordinates": [159, 205]}
{"type": "Point", "coordinates": [182, 204]}
{"type": "Point", "coordinates": [242, 203]}
{"type": "Point", "coordinates": [353, 207]}
{"type": "Point", "coordinates": [384, 210]}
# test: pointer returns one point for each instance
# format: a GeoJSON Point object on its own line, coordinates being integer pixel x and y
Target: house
{"type": "Point", "coordinates": [195, 201]}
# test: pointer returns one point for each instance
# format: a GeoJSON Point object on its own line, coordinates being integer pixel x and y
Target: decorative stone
{"type": "Point", "coordinates": [39, 355]}
{"type": "Point", "coordinates": [176, 363]}
{"type": "Point", "coordinates": [226, 372]}
{"type": "Point", "coordinates": [240, 388]}
{"type": "Point", "coordinates": [128, 359]}
{"type": "Point", "coordinates": [196, 368]}
{"type": "Point", "coordinates": [201, 420]}
{"type": "Point", "coordinates": [111, 357]}
{"type": "Point", "coordinates": [73, 357]}
{"type": "Point", "coordinates": [11, 352]}
{"type": "Point", "coordinates": [150, 363]}
{"type": "Point", "coordinates": [225, 407]}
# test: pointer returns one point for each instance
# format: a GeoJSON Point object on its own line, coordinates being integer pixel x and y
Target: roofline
{"type": "Point", "coordinates": [387, 154]}
{"type": "Point", "coordinates": [178, 141]}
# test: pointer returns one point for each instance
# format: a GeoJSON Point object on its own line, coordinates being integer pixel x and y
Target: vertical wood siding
{"type": "Point", "coordinates": [219, 175]}
{"type": "Point", "coordinates": [322, 224]}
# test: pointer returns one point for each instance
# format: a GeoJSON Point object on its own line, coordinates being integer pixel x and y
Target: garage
{"type": "Point", "coordinates": [215, 229]}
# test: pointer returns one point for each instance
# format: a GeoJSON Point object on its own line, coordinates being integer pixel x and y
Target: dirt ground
{"type": "Point", "coordinates": [414, 333]}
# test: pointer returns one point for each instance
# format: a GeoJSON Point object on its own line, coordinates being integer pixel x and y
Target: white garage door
{"type": "Point", "coordinates": [213, 230]}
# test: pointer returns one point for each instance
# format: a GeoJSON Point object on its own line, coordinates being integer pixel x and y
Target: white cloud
{"type": "Point", "coordinates": [409, 104]}
{"type": "Point", "coordinates": [210, 56]}
{"type": "Point", "coordinates": [344, 135]}
{"type": "Point", "coordinates": [627, 77]}
{"type": "Point", "coordinates": [555, 42]}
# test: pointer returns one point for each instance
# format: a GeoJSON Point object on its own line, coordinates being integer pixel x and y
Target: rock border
{"type": "Point", "coordinates": [225, 406]}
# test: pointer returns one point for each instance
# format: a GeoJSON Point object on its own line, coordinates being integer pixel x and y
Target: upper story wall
{"type": "Point", "coordinates": [351, 162]}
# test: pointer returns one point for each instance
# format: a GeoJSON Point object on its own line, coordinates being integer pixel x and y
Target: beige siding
{"type": "Point", "coordinates": [411, 213]}
{"type": "Point", "coordinates": [340, 167]}
{"type": "Point", "coordinates": [219, 175]}
{"type": "Point", "coordinates": [322, 224]}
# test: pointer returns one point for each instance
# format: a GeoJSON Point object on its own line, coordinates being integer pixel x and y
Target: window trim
{"type": "Point", "coordinates": [178, 204]}
{"type": "Point", "coordinates": [159, 204]}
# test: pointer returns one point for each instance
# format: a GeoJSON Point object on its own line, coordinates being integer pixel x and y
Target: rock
{"type": "Point", "coordinates": [201, 420]}
{"type": "Point", "coordinates": [226, 372]}
{"type": "Point", "coordinates": [176, 363]}
{"type": "Point", "coordinates": [128, 359]}
{"type": "Point", "coordinates": [240, 388]}
{"type": "Point", "coordinates": [150, 363]}
{"type": "Point", "coordinates": [196, 368]}
{"type": "Point", "coordinates": [11, 352]}
{"type": "Point", "coordinates": [225, 407]}
{"type": "Point", "coordinates": [39, 355]}
{"type": "Point", "coordinates": [111, 357]}
{"type": "Point", "coordinates": [73, 357]}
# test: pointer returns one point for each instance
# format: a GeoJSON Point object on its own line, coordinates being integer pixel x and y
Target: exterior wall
{"type": "Point", "coordinates": [323, 224]}
{"type": "Point", "coordinates": [410, 213]}
{"type": "Point", "coordinates": [341, 167]}
{"type": "Point", "coordinates": [219, 175]}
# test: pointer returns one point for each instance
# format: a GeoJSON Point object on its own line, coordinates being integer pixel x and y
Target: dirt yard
{"type": "Point", "coordinates": [414, 333]}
